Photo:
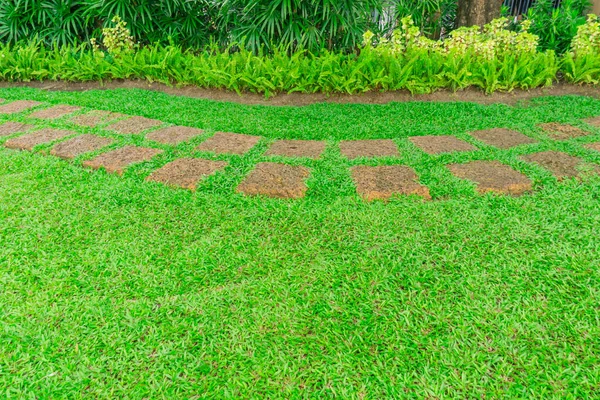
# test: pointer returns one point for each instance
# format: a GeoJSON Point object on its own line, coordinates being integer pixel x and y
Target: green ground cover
{"type": "Point", "coordinates": [111, 287]}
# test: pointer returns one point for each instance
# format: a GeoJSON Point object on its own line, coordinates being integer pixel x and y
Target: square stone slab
{"type": "Point", "coordinates": [369, 148]}
{"type": "Point", "coordinates": [18, 106]}
{"type": "Point", "coordinates": [80, 145]}
{"type": "Point", "coordinates": [591, 146]}
{"type": "Point", "coordinates": [174, 134]}
{"type": "Point", "coordinates": [559, 131]}
{"type": "Point", "coordinates": [229, 143]}
{"type": "Point", "coordinates": [561, 165]}
{"type": "Point", "coordinates": [95, 118]}
{"type": "Point", "coordinates": [186, 172]}
{"type": "Point", "coordinates": [502, 138]}
{"type": "Point", "coordinates": [594, 121]}
{"type": "Point", "coordinates": [297, 148]}
{"type": "Point", "coordinates": [133, 125]}
{"type": "Point", "coordinates": [441, 144]}
{"type": "Point", "coordinates": [28, 142]}
{"type": "Point", "coordinates": [8, 128]}
{"type": "Point", "coordinates": [117, 160]}
{"type": "Point", "coordinates": [492, 176]}
{"type": "Point", "coordinates": [55, 112]}
{"type": "Point", "coordinates": [276, 180]}
{"type": "Point", "coordinates": [385, 181]}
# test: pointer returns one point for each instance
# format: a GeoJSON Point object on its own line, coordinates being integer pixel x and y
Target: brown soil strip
{"type": "Point", "coordinates": [18, 106]}
{"type": "Point", "coordinates": [369, 148]}
{"type": "Point", "coordinates": [559, 131]}
{"type": "Point", "coordinates": [229, 143]}
{"type": "Point", "coordinates": [116, 161]}
{"type": "Point", "coordinates": [133, 125]}
{"type": "Point", "coordinates": [301, 99]}
{"type": "Point", "coordinates": [174, 134]}
{"type": "Point", "coordinates": [28, 142]}
{"type": "Point", "coordinates": [441, 144]}
{"type": "Point", "coordinates": [80, 145]}
{"type": "Point", "coordinates": [593, 146]}
{"type": "Point", "coordinates": [594, 121]}
{"type": "Point", "coordinates": [561, 165]}
{"type": "Point", "coordinates": [297, 148]}
{"type": "Point", "coordinates": [502, 138]}
{"type": "Point", "coordinates": [95, 118]}
{"type": "Point", "coordinates": [55, 112]}
{"type": "Point", "coordinates": [384, 182]}
{"type": "Point", "coordinates": [492, 176]}
{"type": "Point", "coordinates": [9, 128]}
{"type": "Point", "coordinates": [186, 172]}
{"type": "Point", "coordinates": [276, 180]}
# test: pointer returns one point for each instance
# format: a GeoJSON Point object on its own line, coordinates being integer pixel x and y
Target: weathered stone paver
{"type": "Point", "coordinates": [133, 125]}
{"type": "Point", "coordinates": [174, 134]}
{"type": "Point", "coordinates": [55, 112]}
{"type": "Point", "coordinates": [229, 143]}
{"type": "Point", "coordinates": [80, 145]}
{"type": "Point", "coordinates": [297, 148]}
{"type": "Point", "coordinates": [95, 118]}
{"type": "Point", "coordinates": [29, 141]}
{"type": "Point", "coordinates": [561, 165]}
{"type": "Point", "coordinates": [18, 106]}
{"type": "Point", "coordinates": [502, 138]}
{"type": "Point", "coordinates": [492, 176]}
{"type": "Point", "coordinates": [352, 149]}
{"type": "Point", "coordinates": [8, 128]}
{"type": "Point", "coordinates": [593, 146]}
{"type": "Point", "coordinates": [441, 144]}
{"type": "Point", "coordinates": [558, 131]}
{"type": "Point", "coordinates": [186, 172]}
{"type": "Point", "coordinates": [117, 160]}
{"type": "Point", "coordinates": [383, 182]}
{"type": "Point", "coordinates": [276, 180]}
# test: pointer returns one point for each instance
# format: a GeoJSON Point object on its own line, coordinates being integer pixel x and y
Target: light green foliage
{"type": "Point", "coordinates": [116, 288]}
{"type": "Point", "coordinates": [116, 39]}
{"type": "Point", "coordinates": [494, 41]}
{"type": "Point", "coordinates": [587, 40]}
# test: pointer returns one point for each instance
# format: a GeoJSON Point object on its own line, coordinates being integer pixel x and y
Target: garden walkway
{"type": "Point", "coordinates": [283, 177]}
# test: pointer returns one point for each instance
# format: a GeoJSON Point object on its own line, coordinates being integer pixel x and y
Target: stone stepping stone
{"type": "Point", "coordinates": [174, 134]}
{"type": "Point", "coordinates": [95, 118]}
{"type": "Point", "coordinates": [186, 172]}
{"type": "Point", "coordinates": [117, 160]}
{"type": "Point", "coordinates": [229, 143]}
{"type": "Point", "coordinates": [369, 148]}
{"type": "Point", "coordinates": [441, 144]}
{"type": "Point", "coordinates": [276, 180]}
{"type": "Point", "coordinates": [8, 128]}
{"type": "Point", "coordinates": [502, 138]}
{"type": "Point", "coordinates": [297, 148]}
{"type": "Point", "coordinates": [591, 146]}
{"type": "Point", "coordinates": [55, 112]}
{"type": "Point", "coordinates": [18, 106]}
{"type": "Point", "coordinates": [492, 176]}
{"type": "Point", "coordinates": [559, 131]}
{"type": "Point", "coordinates": [561, 165]}
{"type": "Point", "coordinates": [133, 125]}
{"type": "Point", "coordinates": [383, 182]}
{"type": "Point", "coordinates": [80, 145]}
{"type": "Point", "coordinates": [594, 121]}
{"type": "Point", "coordinates": [28, 142]}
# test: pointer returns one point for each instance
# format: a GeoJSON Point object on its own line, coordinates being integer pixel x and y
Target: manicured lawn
{"type": "Point", "coordinates": [112, 287]}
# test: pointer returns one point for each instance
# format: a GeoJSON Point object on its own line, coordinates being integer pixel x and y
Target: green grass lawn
{"type": "Point", "coordinates": [111, 287]}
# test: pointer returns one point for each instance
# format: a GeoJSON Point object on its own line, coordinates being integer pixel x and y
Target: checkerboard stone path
{"type": "Point", "coordinates": [366, 161]}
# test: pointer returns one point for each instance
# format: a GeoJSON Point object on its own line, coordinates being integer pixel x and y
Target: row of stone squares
{"type": "Point", "coordinates": [239, 144]}
{"type": "Point", "coordinates": [280, 180]}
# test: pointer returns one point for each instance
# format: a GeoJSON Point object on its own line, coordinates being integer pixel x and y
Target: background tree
{"type": "Point", "coordinates": [477, 12]}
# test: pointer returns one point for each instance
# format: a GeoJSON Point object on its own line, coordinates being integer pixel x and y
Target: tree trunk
{"type": "Point", "coordinates": [477, 12]}
{"type": "Point", "coordinates": [596, 7]}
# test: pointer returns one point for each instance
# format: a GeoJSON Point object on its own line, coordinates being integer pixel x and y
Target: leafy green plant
{"type": "Point", "coordinates": [556, 26]}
